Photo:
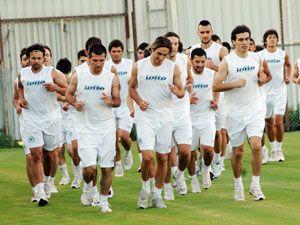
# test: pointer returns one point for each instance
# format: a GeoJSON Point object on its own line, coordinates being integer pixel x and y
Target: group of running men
{"type": "Point", "coordinates": [179, 103]}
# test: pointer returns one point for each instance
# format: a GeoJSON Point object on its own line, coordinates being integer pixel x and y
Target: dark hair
{"type": "Point", "coordinates": [204, 23]}
{"type": "Point", "coordinates": [92, 41]}
{"type": "Point", "coordinates": [171, 34]}
{"type": "Point", "coordinates": [23, 52]}
{"type": "Point", "coordinates": [180, 47]}
{"type": "Point", "coordinates": [198, 52]}
{"type": "Point", "coordinates": [215, 37]}
{"type": "Point", "coordinates": [81, 53]}
{"type": "Point", "coordinates": [226, 45]}
{"type": "Point", "coordinates": [64, 65]}
{"type": "Point", "coordinates": [251, 39]}
{"type": "Point", "coordinates": [35, 47]}
{"type": "Point", "coordinates": [161, 42]}
{"type": "Point", "coordinates": [267, 33]}
{"type": "Point", "coordinates": [143, 46]}
{"type": "Point", "coordinates": [115, 44]}
{"type": "Point", "coordinates": [259, 48]}
{"type": "Point", "coordinates": [97, 49]}
{"type": "Point", "coordinates": [238, 30]}
{"type": "Point", "coordinates": [49, 49]}
{"type": "Point", "coordinates": [147, 52]}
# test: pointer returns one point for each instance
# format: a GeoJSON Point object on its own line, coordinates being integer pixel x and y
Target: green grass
{"type": "Point", "coordinates": [280, 183]}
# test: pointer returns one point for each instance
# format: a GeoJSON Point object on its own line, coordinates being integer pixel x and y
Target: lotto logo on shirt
{"type": "Point", "coordinates": [93, 87]}
{"type": "Point", "coordinates": [245, 69]}
{"type": "Point", "coordinates": [273, 61]}
{"type": "Point", "coordinates": [199, 86]}
{"type": "Point", "coordinates": [156, 77]}
{"type": "Point", "coordinates": [35, 82]}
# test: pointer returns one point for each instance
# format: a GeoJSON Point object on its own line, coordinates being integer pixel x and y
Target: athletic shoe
{"type": "Point", "coordinates": [256, 192]}
{"type": "Point", "coordinates": [119, 170]}
{"type": "Point", "coordinates": [110, 193]}
{"type": "Point", "coordinates": [41, 197]}
{"type": "Point", "coordinates": [157, 202]}
{"type": "Point", "coordinates": [181, 185]}
{"type": "Point", "coordinates": [143, 199]}
{"type": "Point", "coordinates": [206, 180]}
{"type": "Point", "coordinates": [34, 199]}
{"type": "Point", "coordinates": [64, 180]}
{"type": "Point", "coordinates": [95, 198]}
{"type": "Point", "coordinates": [265, 154]}
{"type": "Point", "coordinates": [216, 168]}
{"type": "Point", "coordinates": [86, 198]}
{"type": "Point", "coordinates": [105, 207]}
{"type": "Point", "coordinates": [195, 186]}
{"type": "Point", "coordinates": [239, 194]}
{"type": "Point", "coordinates": [169, 194]}
{"type": "Point", "coordinates": [174, 182]}
{"type": "Point", "coordinates": [53, 189]}
{"type": "Point", "coordinates": [139, 169]}
{"type": "Point", "coordinates": [280, 156]}
{"type": "Point", "coordinates": [273, 156]}
{"type": "Point", "coordinates": [128, 161]}
{"type": "Point", "coordinates": [75, 183]}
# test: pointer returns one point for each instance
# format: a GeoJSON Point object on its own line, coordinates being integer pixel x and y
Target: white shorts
{"type": "Point", "coordinates": [124, 123]}
{"type": "Point", "coordinates": [66, 137]}
{"type": "Point", "coordinates": [97, 148]}
{"type": "Point", "coordinates": [73, 134]}
{"type": "Point", "coordinates": [46, 135]}
{"type": "Point", "coordinates": [248, 125]}
{"type": "Point", "coordinates": [26, 150]}
{"type": "Point", "coordinates": [182, 131]}
{"type": "Point", "coordinates": [154, 136]}
{"type": "Point", "coordinates": [276, 104]}
{"type": "Point", "coordinates": [204, 134]}
{"type": "Point", "coordinates": [220, 116]}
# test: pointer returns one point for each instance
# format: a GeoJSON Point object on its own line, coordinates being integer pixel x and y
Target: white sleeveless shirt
{"type": "Point", "coordinates": [96, 117]}
{"type": "Point", "coordinates": [42, 105]}
{"type": "Point", "coordinates": [124, 73]}
{"type": "Point", "coordinates": [203, 88]}
{"type": "Point", "coordinates": [276, 62]}
{"type": "Point", "coordinates": [247, 99]}
{"type": "Point", "coordinates": [153, 87]}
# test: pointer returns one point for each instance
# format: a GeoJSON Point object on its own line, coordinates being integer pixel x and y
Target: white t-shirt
{"type": "Point", "coordinates": [153, 87]}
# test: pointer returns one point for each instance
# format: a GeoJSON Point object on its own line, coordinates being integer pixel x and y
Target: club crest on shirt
{"type": "Point", "coordinates": [31, 139]}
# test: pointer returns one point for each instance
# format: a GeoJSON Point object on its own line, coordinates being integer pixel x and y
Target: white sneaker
{"type": "Point", "coordinates": [280, 156]}
{"type": "Point", "coordinates": [119, 170]}
{"type": "Point", "coordinates": [95, 199]}
{"type": "Point", "coordinates": [110, 193]}
{"type": "Point", "coordinates": [128, 161]}
{"type": "Point", "coordinates": [105, 207]}
{"type": "Point", "coordinates": [41, 196]}
{"type": "Point", "coordinates": [195, 186]}
{"type": "Point", "coordinates": [256, 192]}
{"type": "Point", "coordinates": [265, 154]}
{"type": "Point", "coordinates": [53, 189]}
{"type": "Point", "coordinates": [64, 180]}
{"type": "Point", "coordinates": [143, 199]}
{"type": "Point", "coordinates": [157, 202]}
{"type": "Point", "coordinates": [273, 156]}
{"type": "Point", "coordinates": [75, 183]}
{"type": "Point", "coordinates": [168, 193]}
{"type": "Point", "coordinates": [206, 181]}
{"type": "Point", "coordinates": [216, 168]}
{"type": "Point", "coordinates": [239, 194]}
{"type": "Point", "coordinates": [181, 185]}
{"type": "Point", "coordinates": [86, 198]}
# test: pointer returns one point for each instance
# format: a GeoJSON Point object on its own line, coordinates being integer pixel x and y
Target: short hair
{"type": "Point", "coordinates": [161, 42]}
{"type": "Point", "coordinates": [35, 47]}
{"type": "Point", "coordinates": [81, 53]}
{"type": "Point", "coordinates": [180, 47]}
{"type": "Point", "coordinates": [251, 39]}
{"type": "Point", "coordinates": [147, 52]}
{"type": "Point", "coordinates": [226, 45]}
{"type": "Point", "coordinates": [171, 34]}
{"type": "Point", "coordinates": [64, 65]}
{"type": "Point", "coordinates": [92, 41]}
{"type": "Point", "coordinates": [198, 52]}
{"type": "Point", "coordinates": [115, 44]}
{"type": "Point", "coordinates": [215, 37]}
{"type": "Point", "coordinates": [238, 30]}
{"type": "Point", "coordinates": [143, 46]}
{"type": "Point", "coordinates": [267, 33]}
{"type": "Point", "coordinates": [97, 49]}
{"type": "Point", "coordinates": [49, 49]}
{"type": "Point", "coordinates": [23, 52]}
{"type": "Point", "coordinates": [204, 23]}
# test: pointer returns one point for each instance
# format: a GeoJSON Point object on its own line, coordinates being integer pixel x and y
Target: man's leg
{"type": "Point", "coordinates": [237, 165]}
{"type": "Point", "coordinates": [77, 170]}
{"type": "Point", "coordinates": [207, 154]}
{"type": "Point", "coordinates": [270, 127]}
{"type": "Point", "coordinates": [126, 143]}
{"type": "Point", "coordinates": [279, 136]}
{"type": "Point", "coordinates": [62, 165]}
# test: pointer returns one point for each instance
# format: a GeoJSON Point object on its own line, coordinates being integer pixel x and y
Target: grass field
{"type": "Point", "coordinates": [280, 183]}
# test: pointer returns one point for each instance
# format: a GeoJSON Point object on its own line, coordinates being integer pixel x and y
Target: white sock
{"type": "Point", "coordinates": [238, 182]}
{"type": "Point", "coordinates": [77, 170]}
{"type": "Point", "coordinates": [128, 153]}
{"type": "Point", "coordinates": [173, 170]}
{"type": "Point", "coordinates": [140, 157]}
{"type": "Point", "coordinates": [179, 173]}
{"type": "Point", "coordinates": [52, 179]}
{"type": "Point", "coordinates": [46, 179]}
{"type": "Point", "coordinates": [119, 162]}
{"type": "Point", "coordinates": [278, 146]}
{"type": "Point", "coordinates": [146, 185]}
{"type": "Point", "coordinates": [167, 186]}
{"type": "Point", "coordinates": [255, 180]}
{"type": "Point", "coordinates": [273, 146]}
{"type": "Point", "coordinates": [205, 168]}
{"type": "Point", "coordinates": [103, 198]}
{"type": "Point", "coordinates": [217, 157]}
{"type": "Point", "coordinates": [64, 170]}
{"type": "Point", "coordinates": [194, 177]}
{"type": "Point", "coordinates": [157, 191]}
